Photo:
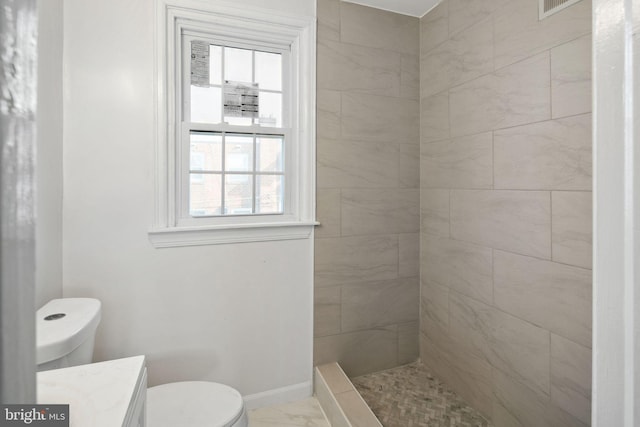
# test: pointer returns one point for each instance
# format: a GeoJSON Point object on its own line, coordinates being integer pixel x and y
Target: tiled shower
{"type": "Point", "coordinates": [454, 192]}
{"type": "Point", "coordinates": [366, 262]}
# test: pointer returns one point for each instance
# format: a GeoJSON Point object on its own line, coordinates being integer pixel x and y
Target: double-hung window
{"type": "Point", "coordinates": [235, 150]}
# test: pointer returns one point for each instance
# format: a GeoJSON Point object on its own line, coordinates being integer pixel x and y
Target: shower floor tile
{"type": "Point", "coordinates": [409, 396]}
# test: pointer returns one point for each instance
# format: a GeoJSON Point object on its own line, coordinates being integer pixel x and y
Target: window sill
{"type": "Point", "coordinates": [200, 236]}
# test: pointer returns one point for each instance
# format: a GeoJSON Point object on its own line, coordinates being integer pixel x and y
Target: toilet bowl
{"type": "Point", "coordinates": [66, 330]}
{"type": "Point", "coordinates": [195, 403]}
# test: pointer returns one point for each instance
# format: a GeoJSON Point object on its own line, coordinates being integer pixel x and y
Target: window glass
{"type": "Point", "coordinates": [239, 153]}
{"type": "Point", "coordinates": [269, 70]}
{"type": "Point", "coordinates": [206, 104]}
{"type": "Point", "coordinates": [270, 109]}
{"type": "Point", "coordinates": [269, 194]}
{"type": "Point", "coordinates": [207, 148]}
{"type": "Point", "coordinates": [205, 195]}
{"type": "Point", "coordinates": [238, 194]}
{"type": "Point", "coordinates": [215, 65]}
{"type": "Point", "coordinates": [269, 154]}
{"type": "Point", "coordinates": [238, 65]}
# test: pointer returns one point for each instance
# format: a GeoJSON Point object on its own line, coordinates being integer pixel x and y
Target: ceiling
{"type": "Point", "coordinates": [406, 7]}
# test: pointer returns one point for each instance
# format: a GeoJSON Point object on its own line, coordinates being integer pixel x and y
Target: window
{"type": "Point", "coordinates": [236, 125]}
{"type": "Point", "coordinates": [235, 129]}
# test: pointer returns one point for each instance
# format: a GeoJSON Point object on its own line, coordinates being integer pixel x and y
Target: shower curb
{"type": "Point", "coordinates": [339, 399]}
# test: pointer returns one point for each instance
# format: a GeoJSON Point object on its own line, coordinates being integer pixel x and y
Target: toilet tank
{"type": "Point", "coordinates": [65, 332]}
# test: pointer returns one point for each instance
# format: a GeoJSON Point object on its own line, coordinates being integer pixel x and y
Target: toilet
{"type": "Point", "coordinates": [65, 337]}
{"type": "Point", "coordinates": [195, 403]}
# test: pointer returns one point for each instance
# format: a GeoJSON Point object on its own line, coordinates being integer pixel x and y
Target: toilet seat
{"type": "Point", "coordinates": [195, 404]}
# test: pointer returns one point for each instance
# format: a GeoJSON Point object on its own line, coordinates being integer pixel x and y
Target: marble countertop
{"type": "Point", "coordinates": [98, 394]}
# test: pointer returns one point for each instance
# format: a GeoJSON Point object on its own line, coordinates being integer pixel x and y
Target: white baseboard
{"type": "Point", "coordinates": [279, 395]}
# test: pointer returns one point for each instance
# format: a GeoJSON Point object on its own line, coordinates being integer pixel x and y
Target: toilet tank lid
{"type": "Point", "coordinates": [62, 325]}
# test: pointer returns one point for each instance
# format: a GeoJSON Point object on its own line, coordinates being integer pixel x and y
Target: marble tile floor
{"type": "Point", "coordinates": [409, 396]}
{"type": "Point", "coordinates": [302, 413]}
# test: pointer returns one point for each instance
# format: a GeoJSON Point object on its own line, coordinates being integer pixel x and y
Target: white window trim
{"type": "Point", "coordinates": [230, 20]}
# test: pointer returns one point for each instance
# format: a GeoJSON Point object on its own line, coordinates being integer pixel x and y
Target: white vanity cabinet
{"type": "Point", "coordinates": [105, 394]}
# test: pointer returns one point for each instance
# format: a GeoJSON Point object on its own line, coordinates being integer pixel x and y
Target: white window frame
{"type": "Point", "coordinates": [228, 21]}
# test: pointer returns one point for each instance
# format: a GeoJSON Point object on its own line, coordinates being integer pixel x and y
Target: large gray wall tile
{"type": "Point", "coordinates": [347, 67]}
{"type": "Point", "coordinates": [516, 405]}
{"type": "Point", "coordinates": [554, 296]}
{"type": "Point", "coordinates": [434, 27]}
{"type": "Point", "coordinates": [357, 164]}
{"type": "Point", "coordinates": [434, 308]}
{"type": "Point", "coordinates": [380, 303]}
{"type": "Point", "coordinates": [464, 267]}
{"type": "Point", "coordinates": [371, 27]}
{"type": "Point", "coordinates": [511, 96]}
{"type": "Point", "coordinates": [464, 13]}
{"type": "Point", "coordinates": [408, 349]}
{"type": "Point", "coordinates": [471, 269]}
{"type": "Point", "coordinates": [341, 260]}
{"type": "Point", "coordinates": [551, 155]}
{"type": "Point", "coordinates": [328, 114]}
{"type": "Point", "coordinates": [510, 220]}
{"type": "Point", "coordinates": [326, 311]}
{"type": "Point", "coordinates": [571, 377]}
{"type": "Point", "coordinates": [571, 227]}
{"type": "Point", "coordinates": [571, 77]}
{"type": "Point", "coordinates": [463, 57]}
{"type": "Point", "coordinates": [519, 33]}
{"type": "Point", "coordinates": [521, 350]}
{"type": "Point", "coordinates": [465, 162]}
{"type": "Point", "coordinates": [523, 92]}
{"type": "Point", "coordinates": [328, 212]}
{"type": "Point", "coordinates": [328, 13]}
{"type": "Point", "coordinates": [409, 173]}
{"type": "Point", "coordinates": [379, 118]}
{"type": "Point", "coordinates": [470, 324]}
{"type": "Point", "coordinates": [508, 343]}
{"type": "Point", "coordinates": [359, 352]}
{"type": "Point", "coordinates": [466, 373]}
{"type": "Point", "coordinates": [410, 77]}
{"type": "Point", "coordinates": [434, 212]}
{"type": "Point", "coordinates": [380, 211]}
{"type": "Point", "coordinates": [409, 255]}
{"type": "Point", "coordinates": [434, 260]}
{"type": "Point", "coordinates": [434, 118]}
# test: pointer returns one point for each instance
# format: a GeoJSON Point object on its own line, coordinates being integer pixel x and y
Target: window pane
{"type": "Point", "coordinates": [238, 194]}
{"type": "Point", "coordinates": [239, 153]}
{"type": "Point", "coordinates": [270, 109]}
{"type": "Point", "coordinates": [269, 194]}
{"type": "Point", "coordinates": [238, 65]}
{"type": "Point", "coordinates": [205, 194]}
{"type": "Point", "coordinates": [269, 154]}
{"type": "Point", "coordinates": [215, 65]}
{"type": "Point", "coordinates": [206, 104]}
{"type": "Point", "coordinates": [269, 70]}
{"type": "Point", "coordinates": [206, 152]}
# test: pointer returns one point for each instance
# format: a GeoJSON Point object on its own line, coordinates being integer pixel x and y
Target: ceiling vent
{"type": "Point", "coordinates": [549, 7]}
